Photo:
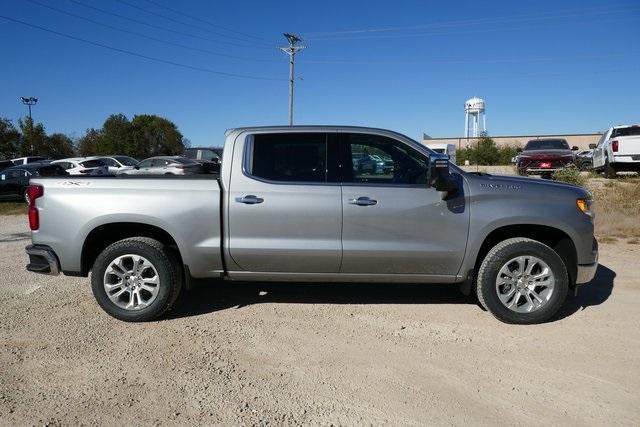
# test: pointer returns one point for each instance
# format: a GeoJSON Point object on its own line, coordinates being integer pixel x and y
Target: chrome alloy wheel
{"type": "Point", "coordinates": [525, 284]}
{"type": "Point", "coordinates": [131, 282]}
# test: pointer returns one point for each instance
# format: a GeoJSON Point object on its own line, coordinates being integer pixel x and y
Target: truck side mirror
{"type": "Point", "coordinates": [519, 150]}
{"type": "Point", "coordinates": [439, 175]}
{"type": "Point", "coordinates": [574, 148]}
{"type": "Point", "coordinates": [592, 146]}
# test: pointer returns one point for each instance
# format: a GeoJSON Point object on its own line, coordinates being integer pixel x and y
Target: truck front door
{"type": "Point", "coordinates": [393, 222]}
{"type": "Point", "coordinates": [285, 212]}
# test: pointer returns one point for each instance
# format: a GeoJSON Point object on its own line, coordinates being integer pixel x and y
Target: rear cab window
{"type": "Point", "coordinates": [299, 157]}
{"type": "Point", "coordinates": [626, 131]}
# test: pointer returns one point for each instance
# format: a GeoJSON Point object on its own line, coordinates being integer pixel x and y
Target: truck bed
{"type": "Point", "coordinates": [188, 208]}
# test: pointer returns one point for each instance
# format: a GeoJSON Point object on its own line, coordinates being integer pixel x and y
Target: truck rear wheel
{"type": "Point", "coordinates": [136, 279]}
{"type": "Point", "coordinates": [609, 171]}
{"type": "Point", "coordinates": [522, 281]}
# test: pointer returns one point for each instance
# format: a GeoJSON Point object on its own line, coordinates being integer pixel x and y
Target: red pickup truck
{"type": "Point", "coordinates": [545, 156]}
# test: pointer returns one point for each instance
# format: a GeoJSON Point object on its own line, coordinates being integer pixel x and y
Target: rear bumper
{"type": "Point", "coordinates": [42, 260]}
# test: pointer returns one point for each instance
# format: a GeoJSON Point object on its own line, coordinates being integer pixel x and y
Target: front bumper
{"type": "Point", "coordinates": [541, 170]}
{"type": "Point", "coordinates": [42, 260]}
{"type": "Point", "coordinates": [586, 272]}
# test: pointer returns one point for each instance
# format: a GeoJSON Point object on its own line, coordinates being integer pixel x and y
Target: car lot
{"type": "Point", "coordinates": [326, 353]}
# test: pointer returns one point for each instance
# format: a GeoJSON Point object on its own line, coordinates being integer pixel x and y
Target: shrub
{"type": "Point", "coordinates": [569, 174]}
{"type": "Point", "coordinates": [486, 153]}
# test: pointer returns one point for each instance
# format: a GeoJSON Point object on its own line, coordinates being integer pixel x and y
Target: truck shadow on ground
{"type": "Point", "coordinates": [208, 297]}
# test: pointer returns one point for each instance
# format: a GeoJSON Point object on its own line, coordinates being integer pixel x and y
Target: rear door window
{"type": "Point", "coordinates": [292, 157]}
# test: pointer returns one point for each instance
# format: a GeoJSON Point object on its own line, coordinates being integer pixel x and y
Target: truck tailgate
{"type": "Point", "coordinates": [628, 145]}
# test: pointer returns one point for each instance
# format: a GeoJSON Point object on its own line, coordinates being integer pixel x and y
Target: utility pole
{"type": "Point", "coordinates": [29, 101]}
{"type": "Point", "coordinates": [291, 50]}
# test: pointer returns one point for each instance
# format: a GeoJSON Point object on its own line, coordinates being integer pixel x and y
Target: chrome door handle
{"type": "Point", "coordinates": [363, 201]}
{"type": "Point", "coordinates": [249, 200]}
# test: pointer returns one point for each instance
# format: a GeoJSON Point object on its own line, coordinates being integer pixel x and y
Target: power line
{"type": "Point", "coordinates": [137, 21]}
{"type": "Point", "coordinates": [168, 18]}
{"type": "Point", "coordinates": [205, 21]}
{"type": "Point", "coordinates": [139, 55]}
{"type": "Point", "coordinates": [425, 34]}
{"type": "Point", "coordinates": [327, 35]}
{"type": "Point", "coordinates": [474, 61]}
{"type": "Point", "coordinates": [197, 49]}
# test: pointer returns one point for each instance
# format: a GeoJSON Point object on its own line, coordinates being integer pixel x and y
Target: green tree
{"type": "Point", "coordinates": [89, 142]}
{"type": "Point", "coordinates": [9, 140]}
{"type": "Point", "coordinates": [116, 136]}
{"type": "Point", "coordinates": [154, 136]}
{"type": "Point", "coordinates": [486, 151]}
{"type": "Point", "coordinates": [34, 137]}
{"type": "Point", "coordinates": [59, 146]}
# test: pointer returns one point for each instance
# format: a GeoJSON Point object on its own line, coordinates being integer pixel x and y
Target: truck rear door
{"type": "Point", "coordinates": [284, 202]}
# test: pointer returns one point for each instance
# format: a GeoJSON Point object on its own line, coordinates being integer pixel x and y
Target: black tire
{"type": "Point", "coordinates": [164, 263]}
{"type": "Point", "coordinates": [497, 257]}
{"type": "Point", "coordinates": [609, 171]}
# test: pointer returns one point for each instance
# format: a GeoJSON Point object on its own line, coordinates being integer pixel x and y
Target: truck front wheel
{"type": "Point", "coordinates": [522, 281]}
{"type": "Point", "coordinates": [135, 279]}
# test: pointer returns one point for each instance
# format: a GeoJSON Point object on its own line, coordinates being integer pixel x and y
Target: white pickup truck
{"type": "Point", "coordinates": [618, 150]}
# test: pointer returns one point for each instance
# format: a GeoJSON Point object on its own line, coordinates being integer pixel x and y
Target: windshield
{"type": "Point", "coordinates": [547, 144]}
{"type": "Point", "coordinates": [126, 161]}
{"type": "Point", "coordinates": [628, 131]}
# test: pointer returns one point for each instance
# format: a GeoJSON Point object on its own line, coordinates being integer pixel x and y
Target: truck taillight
{"type": "Point", "coordinates": [34, 192]}
{"type": "Point", "coordinates": [614, 146]}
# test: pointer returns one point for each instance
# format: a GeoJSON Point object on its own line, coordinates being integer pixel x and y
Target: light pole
{"type": "Point", "coordinates": [291, 50]}
{"type": "Point", "coordinates": [29, 101]}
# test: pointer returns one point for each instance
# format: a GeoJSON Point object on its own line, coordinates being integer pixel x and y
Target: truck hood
{"type": "Point", "coordinates": [502, 182]}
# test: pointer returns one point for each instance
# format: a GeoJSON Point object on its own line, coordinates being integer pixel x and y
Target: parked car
{"type": "Point", "coordinates": [14, 180]}
{"type": "Point", "coordinates": [213, 154]}
{"type": "Point", "coordinates": [116, 164]}
{"type": "Point", "coordinates": [545, 156]}
{"type": "Point", "coordinates": [83, 166]}
{"type": "Point", "coordinates": [584, 160]}
{"type": "Point", "coordinates": [284, 209]}
{"type": "Point", "coordinates": [618, 150]}
{"type": "Point", "coordinates": [448, 149]}
{"type": "Point", "coordinates": [29, 159]}
{"type": "Point", "coordinates": [366, 163]}
{"type": "Point", "coordinates": [4, 164]}
{"type": "Point", "coordinates": [165, 165]}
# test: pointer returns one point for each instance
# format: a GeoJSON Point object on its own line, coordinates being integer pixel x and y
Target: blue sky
{"type": "Point", "coordinates": [542, 66]}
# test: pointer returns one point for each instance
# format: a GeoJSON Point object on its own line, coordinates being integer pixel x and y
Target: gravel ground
{"type": "Point", "coordinates": [309, 354]}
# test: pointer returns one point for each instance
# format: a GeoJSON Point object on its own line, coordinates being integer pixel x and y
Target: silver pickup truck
{"type": "Point", "coordinates": [317, 204]}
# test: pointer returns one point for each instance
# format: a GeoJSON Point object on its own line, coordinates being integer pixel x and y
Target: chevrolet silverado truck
{"type": "Point", "coordinates": [288, 205]}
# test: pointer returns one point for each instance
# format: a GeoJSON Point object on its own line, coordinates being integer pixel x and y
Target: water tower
{"type": "Point", "coordinates": [474, 112]}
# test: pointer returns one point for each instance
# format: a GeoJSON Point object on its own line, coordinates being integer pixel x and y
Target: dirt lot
{"type": "Point", "coordinates": [284, 354]}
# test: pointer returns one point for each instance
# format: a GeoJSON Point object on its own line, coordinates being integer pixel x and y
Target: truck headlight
{"type": "Point", "coordinates": [584, 205]}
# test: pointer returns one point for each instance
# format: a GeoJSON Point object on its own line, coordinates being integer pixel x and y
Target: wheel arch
{"type": "Point", "coordinates": [106, 234]}
{"type": "Point", "coordinates": [555, 238]}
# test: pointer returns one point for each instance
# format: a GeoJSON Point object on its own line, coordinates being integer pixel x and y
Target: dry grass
{"type": "Point", "coordinates": [13, 208]}
{"type": "Point", "coordinates": [617, 207]}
